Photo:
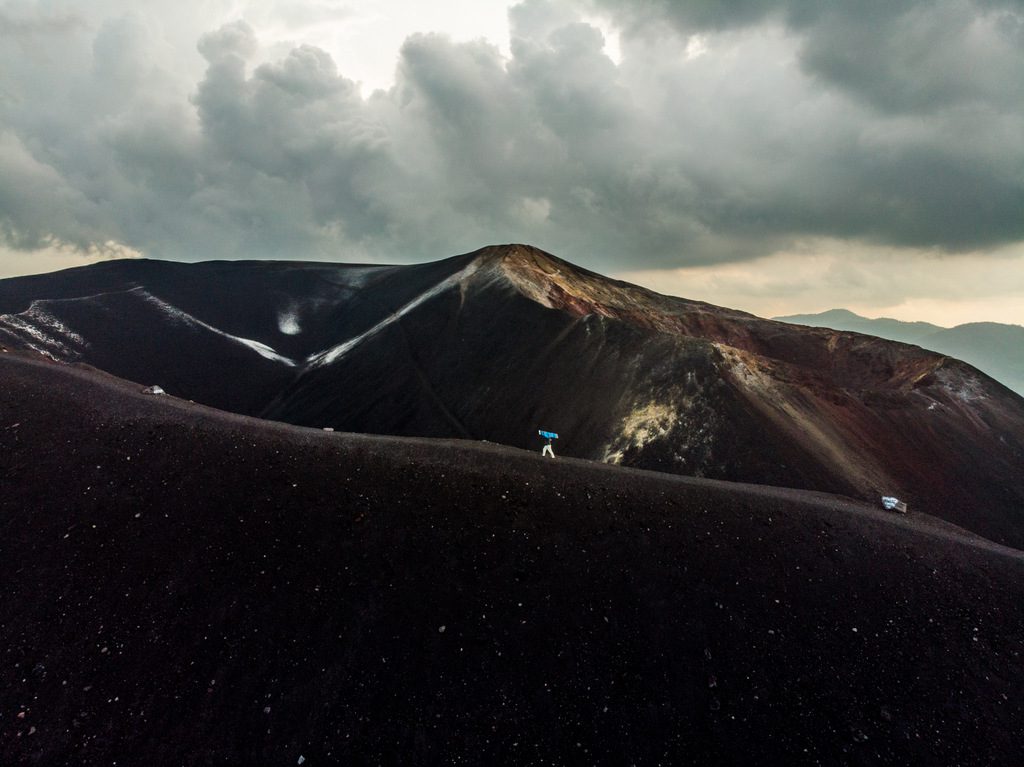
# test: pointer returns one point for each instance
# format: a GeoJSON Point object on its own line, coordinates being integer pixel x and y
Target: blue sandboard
{"type": "Point", "coordinates": [548, 434]}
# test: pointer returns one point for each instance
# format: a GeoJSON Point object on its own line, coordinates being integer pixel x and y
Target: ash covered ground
{"type": "Point", "coordinates": [187, 586]}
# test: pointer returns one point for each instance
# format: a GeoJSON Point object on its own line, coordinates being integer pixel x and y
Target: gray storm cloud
{"type": "Point", "coordinates": [899, 123]}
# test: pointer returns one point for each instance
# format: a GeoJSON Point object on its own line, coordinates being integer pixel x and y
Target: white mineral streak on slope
{"type": "Point", "coordinates": [327, 356]}
{"type": "Point", "coordinates": [29, 335]}
{"type": "Point", "coordinates": [48, 320]}
{"type": "Point", "coordinates": [41, 331]}
{"type": "Point", "coordinates": [260, 348]}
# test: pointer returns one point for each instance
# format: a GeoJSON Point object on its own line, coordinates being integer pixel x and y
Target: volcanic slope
{"type": "Point", "coordinates": [495, 344]}
{"type": "Point", "coordinates": [994, 348]}
{"type": "Point", "coordinates": [189, 587]}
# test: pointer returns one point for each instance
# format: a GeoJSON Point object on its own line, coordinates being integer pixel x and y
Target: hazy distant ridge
{"type": "Point", "coordinates": [994, 348]}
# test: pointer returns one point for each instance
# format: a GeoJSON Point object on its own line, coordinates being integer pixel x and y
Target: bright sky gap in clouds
{"type": "Point", "coordinates": [778, 156]}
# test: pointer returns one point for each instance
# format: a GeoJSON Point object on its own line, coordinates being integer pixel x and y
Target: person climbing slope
{"type": "Point", "coordinates": [550, 436]}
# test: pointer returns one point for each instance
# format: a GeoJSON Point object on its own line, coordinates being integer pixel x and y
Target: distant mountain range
{"type": "Point", "coordinates": [496, 344]}
{"type": "Point", "coordinates": [992, 347]}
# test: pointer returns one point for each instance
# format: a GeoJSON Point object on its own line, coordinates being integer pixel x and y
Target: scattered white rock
{"type": "Point", "coordinates": [153, 390]}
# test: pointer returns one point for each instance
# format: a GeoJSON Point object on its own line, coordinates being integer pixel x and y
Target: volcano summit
{"type": "Point", "coordinates": [492, 344]}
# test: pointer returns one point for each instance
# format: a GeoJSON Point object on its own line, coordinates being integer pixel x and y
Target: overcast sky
{"type": "Point", "coordinates": [778, 157]}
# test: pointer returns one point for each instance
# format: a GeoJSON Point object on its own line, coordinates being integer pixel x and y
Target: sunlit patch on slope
{"type": "Point", "coordinates": [555, 284]}
{"type": "Point", "coordinates": [805, 417]}
{"type": "Point", "coordinates": [642, 426]}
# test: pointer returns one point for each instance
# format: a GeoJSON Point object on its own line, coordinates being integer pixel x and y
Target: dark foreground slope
{"type": "Point", "coordinates": [184, 586]}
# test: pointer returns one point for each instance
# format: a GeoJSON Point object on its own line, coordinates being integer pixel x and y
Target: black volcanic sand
{"type": "Point", "coordinates": [183, 586]}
